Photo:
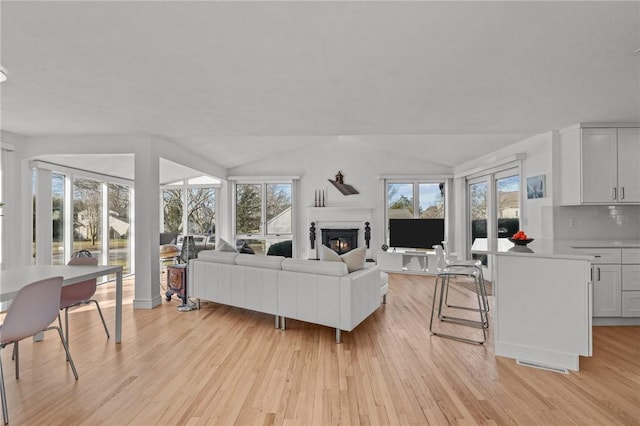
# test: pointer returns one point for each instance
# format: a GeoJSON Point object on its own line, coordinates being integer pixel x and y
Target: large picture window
{"type": "Point", "coordinates": [415, 213]}
{"type": "Point", "coordinates": [198, 219]}
{"type": "Point", "coordinates": [88, 211]}
{"type": "Point", "coordinates": [263, 215]}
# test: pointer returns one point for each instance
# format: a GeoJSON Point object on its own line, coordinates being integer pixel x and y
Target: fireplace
{"type": "Point", "coordinates": [340, 240]}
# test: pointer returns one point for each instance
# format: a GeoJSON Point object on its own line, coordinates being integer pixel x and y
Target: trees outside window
{"type": "Point", "coordinates": [199, 216]}
{"type": "Point", "coordinates": [119, 226]}
{"type": "Point", "coordinates": [57, 217]}
{"type": "Point", "coordinates": [263, 215]}
{"type": "Point", "coordinates": [87, 215]}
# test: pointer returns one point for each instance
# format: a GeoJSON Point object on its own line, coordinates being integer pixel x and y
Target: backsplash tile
{"type": "Point", "coordinates": [597, 222]}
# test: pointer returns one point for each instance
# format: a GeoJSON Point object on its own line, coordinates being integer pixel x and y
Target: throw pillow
{"type": "Point", "coordinates": [355, 259]}
{"type": "Point", "coordinates": [225, 246]}
{"type": "Point", "coordinates": [327, 254]}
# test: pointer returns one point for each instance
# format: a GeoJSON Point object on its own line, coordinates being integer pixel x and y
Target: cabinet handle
{"type": "Point", "coordinates": [622, 192]}
{"type": "Point", "coordinates": [598, 268]}
{"type": "Point", "coordinates": [615, 195]}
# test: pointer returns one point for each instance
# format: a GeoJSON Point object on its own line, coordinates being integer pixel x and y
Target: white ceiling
{"type": "Point", "coordinates": [241, 81]}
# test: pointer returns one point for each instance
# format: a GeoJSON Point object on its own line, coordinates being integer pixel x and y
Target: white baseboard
{"type": "Point", "coordinates": [538, 357]}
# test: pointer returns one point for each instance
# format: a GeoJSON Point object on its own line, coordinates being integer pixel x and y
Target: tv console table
{"type": "Point", "coordinates": [408, 261]}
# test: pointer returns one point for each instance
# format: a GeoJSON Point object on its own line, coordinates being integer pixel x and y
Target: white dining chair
{"type": "Point", "coordinates": [31, 312]}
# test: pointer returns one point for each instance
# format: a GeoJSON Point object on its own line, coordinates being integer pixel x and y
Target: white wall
{"type": "Point", "coordinates": [361, 167]}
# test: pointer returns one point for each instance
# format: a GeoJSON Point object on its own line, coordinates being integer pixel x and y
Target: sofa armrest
{"type": "Point", "coordinates": [360, 296]}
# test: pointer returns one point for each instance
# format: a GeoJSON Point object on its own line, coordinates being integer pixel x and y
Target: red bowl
{"type": "Point", "coordinates": [521, 242]}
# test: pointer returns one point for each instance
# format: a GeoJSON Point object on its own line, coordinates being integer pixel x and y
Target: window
{"type": "Point", "coordinates": [493, 205]}
{"type": "Point", "coordinates": [87, 216]}
{"type": "Point", "coordinates": [417, 200]}
{"type": "Point", "coordinates": [263, 215]}
{"type": "Point", "coordinates": [57, 216]}
{"type": "Point", "coordinates": [119, 225]}
{"type": "Point", "coordinates": [198, 219]}
{"type": "Point", "coordinates": [87, 211]}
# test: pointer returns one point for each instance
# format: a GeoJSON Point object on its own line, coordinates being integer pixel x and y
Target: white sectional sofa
{"type": "Point", "coordinates": [314, 291]}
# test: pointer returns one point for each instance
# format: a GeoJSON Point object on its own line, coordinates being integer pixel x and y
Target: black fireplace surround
{"type": "Point", "coordinates": [340, 240]}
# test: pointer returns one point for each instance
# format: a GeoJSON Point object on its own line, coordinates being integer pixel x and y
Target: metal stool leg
{"type": "Point", "coordinates": [443, 281]}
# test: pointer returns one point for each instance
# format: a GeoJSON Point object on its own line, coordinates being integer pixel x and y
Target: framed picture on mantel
{"type": "Point", "coordinates": [536, 187]}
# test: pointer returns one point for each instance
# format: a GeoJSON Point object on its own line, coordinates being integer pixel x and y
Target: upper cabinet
{"type": "Point", "coordinates": [599, 165]}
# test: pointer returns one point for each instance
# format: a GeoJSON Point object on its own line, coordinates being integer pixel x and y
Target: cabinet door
{"type": "Point", "coordinates": [607, 290]}
{"type": "Point", "coordinates": [631, 277]}
{"type": "Point", "coordinates": [629, 165]}
{"type": "Point", "coordinates": [631, 303]}
{"type": "Point", "coordinates": [599, 165]}
{"type": "Point", "coordinates": [390, 261]}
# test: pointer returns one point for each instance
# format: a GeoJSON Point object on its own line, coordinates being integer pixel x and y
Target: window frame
{"type": "Point", "coordinates": [416, 182]}
{"type": "Point", "coordinates": [263, 182]}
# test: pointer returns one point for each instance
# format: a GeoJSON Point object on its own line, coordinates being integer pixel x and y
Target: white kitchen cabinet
{"type": "Point", "coordinates": [631, 303]}
{"type": "Point", "coordinates": [615, 273]}
{"type": "Point", "coordinates": [630, 282]}
{"type": "Point", "coordinates": [606, 275]}
{"type": "Point", "coordinates": [630, 277]}
{"type": "Point", "coordinates": [607, 290]}
{"type": "Point", "coordinates": [599, 165]}
{"type": "Point", "coordinates": [628, 165]}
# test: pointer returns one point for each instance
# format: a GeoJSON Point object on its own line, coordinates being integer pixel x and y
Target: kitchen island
{"type": "Point", "coordinates": [543, 305]}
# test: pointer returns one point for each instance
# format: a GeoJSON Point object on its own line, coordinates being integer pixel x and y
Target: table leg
{"type": "Point", "coordinates": [119, 307]}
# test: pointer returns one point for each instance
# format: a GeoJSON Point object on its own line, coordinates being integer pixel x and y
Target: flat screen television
{"type": "Point", "coordinates": [416, 233]}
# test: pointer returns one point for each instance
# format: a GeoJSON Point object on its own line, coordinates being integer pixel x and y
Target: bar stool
{"type": "Point", "coordinates": [449, 262]}
{"type": "Point", "coordinates": [464, 271]}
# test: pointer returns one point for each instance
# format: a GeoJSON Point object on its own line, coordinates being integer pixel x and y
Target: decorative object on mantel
{"type": "Point", "coordinates": [384, 247]}
{"type": "Point", "coordinates": [343, 187]}
{"type": "Point", "coordinates": [312, 235]}
{"type": "Point", "coordinates": [367, 233]}
{"type": "Point", "coordinates": [318, 200]}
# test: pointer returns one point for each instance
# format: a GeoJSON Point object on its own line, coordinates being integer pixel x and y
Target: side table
{"type": "Point", "coordinates": [177, 282]}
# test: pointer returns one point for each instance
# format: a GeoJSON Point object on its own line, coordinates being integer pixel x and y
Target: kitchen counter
{"type": "Point", "coordinates": [565, 249]}
{"type": "Point", "coordinates": [543, 299]}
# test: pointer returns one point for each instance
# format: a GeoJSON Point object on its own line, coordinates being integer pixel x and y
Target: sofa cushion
{"type": "Point", "coordinates": [218, 256]}
{"type": "Point", "coordinates": [225, 246]}
{"type": "Point", "coordinates": [267, 262]}
{"type": "Point", "coordinates": [354, 259]}
{"type": "Point", "coordinates": [320, 267]}
{"type": "Point", "coordinates": [327, 254]}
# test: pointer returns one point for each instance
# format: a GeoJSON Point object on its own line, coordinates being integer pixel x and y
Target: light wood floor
{"type": "Point", "coordinates": [224, 366]}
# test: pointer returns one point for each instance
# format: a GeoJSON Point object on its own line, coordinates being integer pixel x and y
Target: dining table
{"type": "Point", "coordinates": [13, 279]}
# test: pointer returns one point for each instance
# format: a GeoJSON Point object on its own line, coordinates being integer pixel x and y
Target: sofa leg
{"type": "Point", "coordinates": [384, 299]}
{"type": "Point", "coordinates": [338, 336]}
{"type": "Point", "coordinates": [283, 323]}
{"type": "Point", "coordinates": [277, 321]}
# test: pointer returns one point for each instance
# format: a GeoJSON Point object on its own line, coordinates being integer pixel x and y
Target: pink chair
{"type": "Point", "coordinates": [32, 311]}
{"type": "Point", "coordinates": [79, 294]}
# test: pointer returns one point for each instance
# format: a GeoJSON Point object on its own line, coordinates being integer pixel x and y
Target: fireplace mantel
{"type": "Point", "coordinates": [340, 214]}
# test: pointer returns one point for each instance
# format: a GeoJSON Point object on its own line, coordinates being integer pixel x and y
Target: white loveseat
{"type": "Point", "coordinates": [314, 291]}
